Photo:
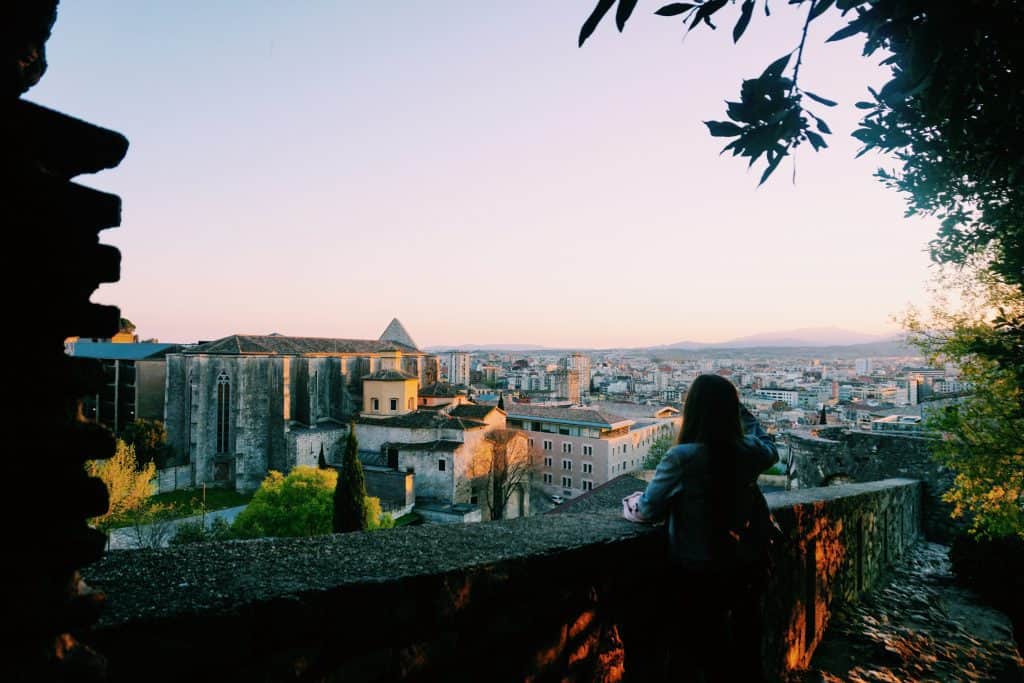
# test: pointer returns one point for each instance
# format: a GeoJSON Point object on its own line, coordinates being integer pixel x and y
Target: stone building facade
{"type": "Point", "coordinates": [240, 406]}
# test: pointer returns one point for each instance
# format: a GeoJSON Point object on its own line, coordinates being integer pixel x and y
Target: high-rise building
{"type": "Point", "coordinates": [458, 368]}
{"type": "Point", "coordinates": [862, 366]}
{"type": "Point", "coordinates": [579, 362]}
{"type": "Point", "coordinates": [566, 385]}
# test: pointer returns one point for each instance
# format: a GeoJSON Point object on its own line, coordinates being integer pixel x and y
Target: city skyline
{"type": "Point", "coordinates": [516, 188]}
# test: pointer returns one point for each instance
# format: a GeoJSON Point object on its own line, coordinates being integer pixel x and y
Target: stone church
{"type": "Point", "coordinates": [242, 405]}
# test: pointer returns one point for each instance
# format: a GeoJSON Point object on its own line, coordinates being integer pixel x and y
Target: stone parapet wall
{"type": "Point", "coordinates": [859, 456]}
{"type": "Point", "coordinates": [570, 596]}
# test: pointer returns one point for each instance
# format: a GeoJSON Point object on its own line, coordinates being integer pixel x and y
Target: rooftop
{"type": "Point", "coordinates": [116, 351]}
{"type": "Point", "coordinates": [587, 416]}
{"type": "Point", "coordinates": [422, 419]}
{"type": "Point", "coordinates": [268, 345]}
{"type": "Point", "coordinates": [389, 375]}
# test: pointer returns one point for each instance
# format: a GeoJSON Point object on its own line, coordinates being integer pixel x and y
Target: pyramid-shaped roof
{"type": "Point", "coordinates": [396, 332]}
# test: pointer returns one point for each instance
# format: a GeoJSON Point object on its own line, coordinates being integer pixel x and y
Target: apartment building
{"type": "Point", "coordinates": [578, 449]}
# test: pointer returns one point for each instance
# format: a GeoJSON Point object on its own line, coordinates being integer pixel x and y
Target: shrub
{"type": "Point", "coordinates": [297, 505]}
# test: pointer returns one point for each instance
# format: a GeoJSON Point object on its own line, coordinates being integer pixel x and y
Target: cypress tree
{"type": "Point", "coordinates": [350, 492]}
{"type": "Point", "coordinates": [501, 401]}
{"type": "Point", "coordinates": [321, 461]}
{"type": "Point", "coordinates": [821, 417]}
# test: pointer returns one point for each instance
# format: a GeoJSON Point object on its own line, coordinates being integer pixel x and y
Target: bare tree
{"type": "Point", "coordinates": [501, 467]}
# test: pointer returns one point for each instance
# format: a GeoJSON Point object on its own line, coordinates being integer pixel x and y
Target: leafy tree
{"type": "Point", "coordinates": [350, 513]}
{"type": "Point", "coordinates": [376, 518]}
{"type": "Point", "coordinates": [779, 406]}
{"type": "Point", "coordinates": [984, 434]}
{"type": "Point", "coordinates": [501, 466]}
{"type": "Point", "coordinates": [656, 452]}
{"type": "Point", "coordinates": [149, 438]}
{"type": "Point", "coordinates": [129, 486]}
{"type": "Point", "coordinates": [950, 115]}
{"type": "Point", "coordinates": [295, 505]}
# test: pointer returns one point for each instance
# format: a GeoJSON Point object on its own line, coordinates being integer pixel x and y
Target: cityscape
{"type": "Point", "coordinates": [588, 416]}
{"type": "Point", "coordinates": [596, 341]}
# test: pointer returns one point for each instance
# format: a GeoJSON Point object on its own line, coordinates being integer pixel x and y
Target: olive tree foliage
{"type": "Point", "coordinates": [128, 485]}
{"type": "Point", "coordinates": [501, 465]}
{"type": "Point", "coordinates": [984, 434]}
{"type": "Point", "coordinates": [950, 115]}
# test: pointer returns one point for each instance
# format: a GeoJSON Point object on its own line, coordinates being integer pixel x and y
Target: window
{"type": "Point", "coordinates": [547, 445]}
{"type": "Point", "coordinates": [567, 482]}
{"type": "Point", "coordinates": [548, 478]}
{"type": "Point", "coordinates": [588, 467]}
{"type": "Point", "coordinates": [587, 485]}
{"type": "Point", "coordinates": [547, 461]}
{"type": "Point", "coordinates": [588, 450]}
{"type": "Point", "coordinates": [374, 404]}
{"type": "Point", "coordinates": [394, 404]}
{"type": "Point", "coordinates": [567, 465]}
{"type": "Point", "coordinates": [567, 448]}
{"type": "Point", "coordinates": [411, 403]}
{"type": "Point", "coordinates": [223, 411]}
{"type": "Point", "coordinates": [531, 443]}
{"type": "Point", "coordinates": [441, 464]}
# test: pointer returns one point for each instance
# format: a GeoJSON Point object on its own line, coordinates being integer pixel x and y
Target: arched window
{"type": "Point", "coordinates": [223, 411]}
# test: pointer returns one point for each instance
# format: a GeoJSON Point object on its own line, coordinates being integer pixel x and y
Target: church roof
{"type": "Point", "coordinates": [396, 332]}
{"type": "Point", "coordinates": [422, 419]}
{"type": "Point", "coordinates": [473, 412]}
{"type": "Point", "coordinates": [446, 445]}
{"type": "Point", "coordinates": [389, 375]}
{"type": "Point", "coordinates": [441, 390]}
{"type": "Point", "coordinates": [245, 344]}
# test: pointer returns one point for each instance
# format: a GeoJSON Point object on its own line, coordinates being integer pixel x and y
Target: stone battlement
{"type": "Point", "coordinates": [570, 595]}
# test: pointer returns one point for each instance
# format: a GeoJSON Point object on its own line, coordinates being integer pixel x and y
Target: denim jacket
{"type": "Point", "coordinates": [681, 488]}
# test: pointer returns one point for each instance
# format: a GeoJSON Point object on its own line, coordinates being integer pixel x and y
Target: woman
{"type": "Point", "coordinates": [707, 488]}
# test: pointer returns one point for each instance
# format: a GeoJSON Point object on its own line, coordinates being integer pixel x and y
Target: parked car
{"type": "Point", "coordinates": [557, 500]}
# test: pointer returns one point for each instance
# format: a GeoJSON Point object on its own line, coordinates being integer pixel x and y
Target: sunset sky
{"type": "Point", "coordinates": [316, 168]}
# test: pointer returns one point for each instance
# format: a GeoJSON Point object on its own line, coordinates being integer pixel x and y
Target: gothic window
{"type": "Point", "coordinates": [223, 411]}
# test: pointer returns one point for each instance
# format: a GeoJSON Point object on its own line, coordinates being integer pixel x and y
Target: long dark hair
{"type": "Point", "coordinates": [711, 417]}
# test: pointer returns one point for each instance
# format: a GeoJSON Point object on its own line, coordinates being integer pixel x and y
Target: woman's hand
{"type": "Point", "coordinates": [631, 508]}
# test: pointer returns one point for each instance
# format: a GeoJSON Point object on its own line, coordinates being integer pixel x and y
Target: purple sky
{"type": "Point", "coordinates": [316, 168]}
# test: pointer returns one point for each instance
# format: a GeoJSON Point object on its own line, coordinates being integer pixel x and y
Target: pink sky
{"type": "Point", "coordinates": [320, 169]}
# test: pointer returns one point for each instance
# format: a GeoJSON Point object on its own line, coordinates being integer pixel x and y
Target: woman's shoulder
{"type": "Point", "coordinates": [683, 451]}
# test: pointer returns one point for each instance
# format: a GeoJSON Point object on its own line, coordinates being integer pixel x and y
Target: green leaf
{"type": "Point", "coordinates": [865, 105]}
{"type": "Point", "coordinates": [674, 9]}
{"type": "Point", "coordinates": [851, 29]}
{"type": "Point", "coordinates": [623, 11]}
{"type": "Point", "coordinates": [819, 8]}
{"type": "Point", "coordinates": [774, 69]}
{"type": "Point", "coordinates": [723, 129]}
{"type": "Point", "coordinates": [822, 126]}
{"type": "Point", "coordinates": [816, 140]}
{"type": "Point", "coordinates": [819, 99]}
{"type": "Point", "coordinates": [772, 165]}
{"type": "Point", "coordinates": [746, 11]}
{"type": "Point", "coordinates": [594, 19]}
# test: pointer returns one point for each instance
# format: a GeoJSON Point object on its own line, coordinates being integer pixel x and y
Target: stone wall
{"type": "Point", "coordinates": [174, 478]}
{"type": "Point", "coordinates": [571, 596]}
{"type": "Point", "coordinates": [395, 489]}
{"type": "Point", "coordinates": [841, 454]}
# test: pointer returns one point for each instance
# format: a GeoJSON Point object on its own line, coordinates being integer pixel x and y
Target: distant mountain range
{"type": "Point", "coordinates": [805, 337]}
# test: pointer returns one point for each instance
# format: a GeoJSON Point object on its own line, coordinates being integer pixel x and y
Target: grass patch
{"type": "Point", "coordinates": [411, 519]}
{"type": "Point", "coordinates": [188, 502]}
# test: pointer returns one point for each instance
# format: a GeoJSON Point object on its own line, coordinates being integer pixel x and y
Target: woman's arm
{"type": "Point", "coordinates": [667, 482]}
{"type": "Point", "coordinates": [767, 452]}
